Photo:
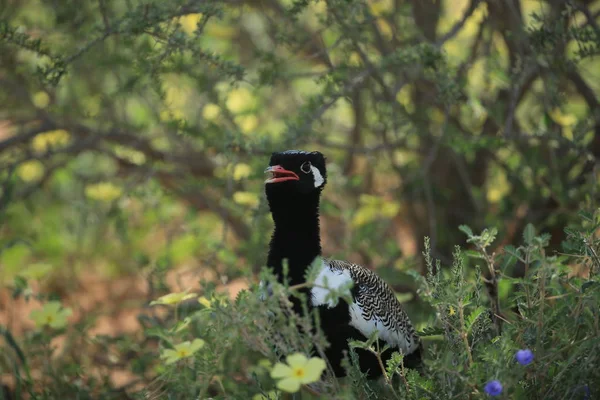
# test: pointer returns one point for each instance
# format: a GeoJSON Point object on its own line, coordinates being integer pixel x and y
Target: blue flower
{"type": "Point", "coordinates": [524, 357]}
{"type": "Point", "coordinates": [493, 388]}
{"type": "Point", "coordinates": [588, 394]}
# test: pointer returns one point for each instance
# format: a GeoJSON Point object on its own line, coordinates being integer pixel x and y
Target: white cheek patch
{"type": "Point", "coordinates": [327, 280]}
{"type": "Point", "coordinates": [317, 176]}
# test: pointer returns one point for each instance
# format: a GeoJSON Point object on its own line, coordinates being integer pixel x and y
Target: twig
{"type": "Point", "coordinates": [458, 25]}
{"type": "Point", "coordinates": [591, 19]}
{"type": "Point", "coordinates": [311, 390]}
{"type": "Point", "coordinates": [351, 85]}
{"type": "Point", "coordinates": [363, 150]}
{"type": "Point", "coordinates": [23, 137]}
{"type": "Point", "coordinates": [403, 376]}
{"type": "Point", "coordinates": [515, 97]}
{"type": "Point", "coordinates": [377, 354]}
{"type": "Point", "coordinates": [463, 333]}
{"type": "Point", "coordinates": [493, 292]}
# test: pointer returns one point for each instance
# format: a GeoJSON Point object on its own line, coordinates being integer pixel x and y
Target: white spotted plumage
{"type": "Point", "coordinates": [327, 280]}
{"type": "Point", "coordinates": [294, 152]}
{"type": "Point", "coordinates": [374, 306]}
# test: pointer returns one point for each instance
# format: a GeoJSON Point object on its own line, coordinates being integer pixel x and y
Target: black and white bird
{"type": "Point", "coordinates": [293, 188]}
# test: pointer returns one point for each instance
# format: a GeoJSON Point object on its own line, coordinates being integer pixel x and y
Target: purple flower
{"type": "Point", "coordinates": [588, 394]}
{"type": "Point", "coordinates": [524, 357]}
{"type": "Point", "coordinates": [493, 388]}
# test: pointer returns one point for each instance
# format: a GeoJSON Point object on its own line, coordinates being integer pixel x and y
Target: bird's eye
{"type": "Point", "coordinates": [305, 167]}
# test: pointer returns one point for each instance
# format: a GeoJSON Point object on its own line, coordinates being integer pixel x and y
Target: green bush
{"type": "Point", "coordinates": [218, 348]}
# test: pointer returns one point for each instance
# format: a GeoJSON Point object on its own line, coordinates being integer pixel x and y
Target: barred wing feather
{"type": "Point", "coordinates": [375, 307]}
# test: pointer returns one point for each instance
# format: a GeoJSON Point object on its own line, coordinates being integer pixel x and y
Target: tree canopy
{"type": "Point", "coordinates": [432, 114]}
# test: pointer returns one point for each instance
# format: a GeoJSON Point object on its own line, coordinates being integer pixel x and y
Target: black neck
{"type": "Point", "coordinates": [296, 237]}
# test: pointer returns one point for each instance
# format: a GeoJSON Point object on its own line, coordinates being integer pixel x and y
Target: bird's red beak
{"type": "Point", "coordinates": [279, 174]}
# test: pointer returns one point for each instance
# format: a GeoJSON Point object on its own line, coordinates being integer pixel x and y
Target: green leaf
{"type": "Point", "coordinates": [157, 332]}
{"type": "Point", "coordinates": [586, 215]}
{"type": "Point", "coordinates": [466, 230]}
{"type": "Point", "coordinates": [507, 261]}
{"type": "Point", "coordinates": [571, 232]}
{"type": "Point", "coordinates": [430, 331]}
{"type": "Point", "coordinates": [473, 254]}
{"type": "Point", "coordinates": [488, 236]}
{"type": "Point", "coordinates": [470, 320]}
{"type": "Point", "coordinates": [529, 234]}
{"type": "Point", "coordinates": [372, 339]}
{"type": "Point", "coordinates": [10, 340]}
{"type": "Point", "coordinates": [504, 288]}
{"type": "Point", "coordinates": [394, 362]}
{"type": "Point", "coordinates": [358, 344]}
{"type": "Point", "coordinates": [404, 297]}
{"type": "Point", "coordinates": [513, 251]}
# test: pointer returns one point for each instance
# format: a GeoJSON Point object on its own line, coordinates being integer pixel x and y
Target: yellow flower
{"type": "Point", "coordinates": [30, 170]}
{"type": "Point", "coordinates": [190, 22]}
{"type": "Point", "coordinates": [91, 105]}
{"type": "Point", "coordinates": [132, 155]}
{"type": "Point", "coordinates": [239, 100]}
{"type": "Point", "coordinates": [379, 8]}
{"type": "Point", "coordinates": [452, 311]}
{"type": "Point", "coordinates": [561, 118]}
{"type": "Point", "coordinates": [215, 299]}
{"type": "Point", "coordinates": [211, 111]}
{"type": "Point", "coordinates": [51, 314]}
{"type": "Point", "coordinates": [385, 28]}
{"type": "Point", "coordinates": [298, 371]}
{"type": "Point", "coordinates": [182, 350]}
{"type": "Point", "coordinates": [41, 99]}
{"type": "Point", "coordinates": [173, 298]}
{"type": "Point", "coordinates": [52, 139]}
{"type": "Point", "coordinates": [103, 191]}
{"type": "Point", "coordinates": [372, 208]}
{"type": "Point", "coordinates": [249, 199]}
{"type": "Point", "coordinates": [247, 123]}
{"type": "Point", "coordinates": [241, 171]}
{"type": "Point", "coordinates": [205, 302]}
{"type": "Point", "coordinates": [354, 59]}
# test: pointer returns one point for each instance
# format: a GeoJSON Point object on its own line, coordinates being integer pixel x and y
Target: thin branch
{"type": "Point", "coordinates": [586, 91]}
{"type": "Point", "coordinates": [362, 150]}
{"type": "Point", "coordinates": [591, 18]}
{"type": "Point", "coordinates": [349, 87]}
{"type": "Point", "coordinates": [515, 96]}
{"type": "Point", "coordinates": [459, 25]}
{"type": "Point", "coordinates": [26, 136]}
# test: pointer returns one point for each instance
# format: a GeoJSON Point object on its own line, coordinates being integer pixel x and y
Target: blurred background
{"type": "Point", "coordinates": [134, 135]}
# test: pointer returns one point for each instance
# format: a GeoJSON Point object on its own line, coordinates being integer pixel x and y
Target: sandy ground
{"type": "Point", "coordinates": [114, 302]}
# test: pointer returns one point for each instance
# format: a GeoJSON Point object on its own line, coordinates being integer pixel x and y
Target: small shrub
{"type": "Point", "coordinates": [538, 339]}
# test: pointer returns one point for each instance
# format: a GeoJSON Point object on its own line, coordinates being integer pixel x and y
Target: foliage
{"type": "Point", "coordinates": [133, 136]}
{"type": "Point", "coordinates": [542, 344]}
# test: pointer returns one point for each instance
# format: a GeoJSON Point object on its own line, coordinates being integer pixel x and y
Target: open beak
{"type": "Point", "coordinates": [279, 174]}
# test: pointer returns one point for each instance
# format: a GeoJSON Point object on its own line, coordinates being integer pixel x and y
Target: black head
{"type": "Point", "coordinates": [296, 172]}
